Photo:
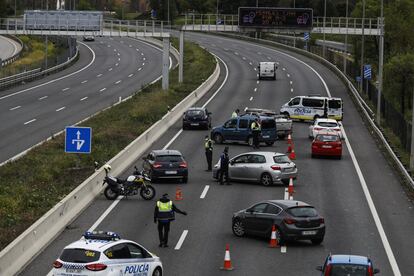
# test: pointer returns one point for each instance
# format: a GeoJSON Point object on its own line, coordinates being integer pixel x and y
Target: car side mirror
{"type": "Point", "coordinates": [376, 270]}
{"type": "Point", "coordinates": [319, 267]}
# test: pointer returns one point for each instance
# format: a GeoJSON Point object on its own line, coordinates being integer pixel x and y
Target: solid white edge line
{"type": "Point", "coordinates": [54, 80]}
{"type": "Point", "coordinates": [106, 213]}
{"type": "Point", "coordinates": [172, 139]}
{"type": "Point", "coordinates": [205, 190]}
{"type": "Point", "coordinates": [181, 240]}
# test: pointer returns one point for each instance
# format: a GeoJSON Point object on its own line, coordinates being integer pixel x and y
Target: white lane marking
{"type": "Point", "coordinates": [255, 89]}
{"type": "Point", "coordinates": [283, 249]}
{"type": "Point", "coordinates": [119, 59]}
{"type": "Point", "coordinates": [106, 213]}
{"type": "Point", "coordinates": [236, 53]}
{"type": "Point", "coordinates": [116, 64]}
{"type": "Point", "coordinates": [85, 81]}
{"type": "Point", "coordinates": [14, 108]}
{"type": "Point", "coordinates": [258, 82]}
{"type": "Point", "coordinates": [181, 240]}
{"type": "Point", "coordinates": [244, 58]}
{"type": "Point", "coordinates": [100, 75]}
{"type": "Point", "coordinates": [173, 139]}
{"type": "Point", "coordinates": [245, 108]}
{"type": "Point", "coordinates": [251, 63]}
{"type": "Point", "coordinates": [31, 121]}
{"type": "Point", "coordinates": [110, 69]}
{"type": "Point", "coordinates": [130, 46]}
{"type": "Point", "coordinates": [60, 109]}
{"type": "Point", "coordinates": [144, 59]}
{"type": "Point", "coordinates": [255, 69]}
{"type": "Point", "coordinates": [64, 89]}
{"type": "Point", "coordinates": [226, 49]}
{"type": "Point", "coordinates": [205, 190]}
{"type": "Point", "coordinates": [143, 64]}
{"type": "Point", "coordinates": [139, 69]}
{"type": "Point", "coordinates": [118, 54]}
{"type": "Point", "coordinates": [137, 49]}
{"type": "Point", "coordinates": [84, 98]}
{"type": "Point", "coordinates": [291, 90]}
{"type": "Point", "coordinates": [109, 46]}
{"type": "Point", "coordinates": [284, 69]}
{"type": "Point", "coordinates": [291, 82]}
{"type": "Point", "coordinates": [114, 50]}
{"type": "Point", "coordinates": [142, 54]}
{"type": "Point", "coordinates": [251, 99]}
{"type": "Point", "coordinates": [42, 98]}
{"type": "Point", "coordinates": [277, 62]}
{"type": "Point", "coordinates": [103, 89]}
{"type": "Point", "coordinates": [288, 75]}
{"type": "Point", "coordinates": [117, 82]}
{"type": "Point", "coordinates": [130, 75]}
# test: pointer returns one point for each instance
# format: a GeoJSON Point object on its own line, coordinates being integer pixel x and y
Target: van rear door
{"type": "Point", "coordinates": [268, 127]}
{"type": "Point", "coordinates": [335, 109]}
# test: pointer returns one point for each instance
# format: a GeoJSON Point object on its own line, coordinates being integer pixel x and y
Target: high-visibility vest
{"type": "Point", "coordinates": [255, 126]}
{"type": "Point", "coordinates": [234, 114]}
{"type": "Point", "coordinates": [207, 144]}
{"type": "Point", "coordinates": [165, 211]}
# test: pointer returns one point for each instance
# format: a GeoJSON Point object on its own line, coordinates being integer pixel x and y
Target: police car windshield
{"type": "Point", "coordinates": [348, 269]}
{"type": "Point", "coordinates": [79, 255]}
{"type": "Point", "coordinates": [168, 158]}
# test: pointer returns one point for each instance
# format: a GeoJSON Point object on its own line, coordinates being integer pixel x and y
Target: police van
{"type": "Point", "coordinates": [313, 107]}
{"type": "Point", "coordinates": [267, 70]}
{"type": "Point", "coordinates": [105, 253]}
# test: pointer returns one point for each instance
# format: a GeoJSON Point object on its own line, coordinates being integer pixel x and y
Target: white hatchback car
{"type": "Point", "coordinates": [105, 253]}
{"type": "Point", "coordinates": [322, 124]}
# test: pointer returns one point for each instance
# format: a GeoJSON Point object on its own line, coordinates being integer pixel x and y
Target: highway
{"type": "Point", "coordinates": [107, 70]}
{"type": "Point", "coordinates": [365, 208]}
{"type": "Point", "coordinates": [8, 47]}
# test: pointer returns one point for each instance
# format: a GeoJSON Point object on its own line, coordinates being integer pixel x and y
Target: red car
{"type": "Point", "coordinates": [327, 144]}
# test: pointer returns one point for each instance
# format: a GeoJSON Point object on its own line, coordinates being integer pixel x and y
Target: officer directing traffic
{"type": "Point", "coordinates": [256, 130]}
{"type": "Point", "coordinates": [208, 146]}
{"type": "Point", "coordinates": [164, 213]}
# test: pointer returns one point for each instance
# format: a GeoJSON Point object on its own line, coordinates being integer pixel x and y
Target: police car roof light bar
{"type": "Point", "coordinates": [101, 235]}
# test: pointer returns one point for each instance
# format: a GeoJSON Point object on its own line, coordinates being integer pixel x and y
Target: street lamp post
{"type": "Point", "coordinates": [324, 22]}
{"type": "Point", "coordinates": [380, 67]}
{"type": "Point", "coordinates": [168, 11]}
{"type": "Point", "coordinates": [346, 37]}
{"type": "Point", "coordinates": [362, 46]}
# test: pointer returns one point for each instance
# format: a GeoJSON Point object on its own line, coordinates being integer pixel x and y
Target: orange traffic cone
{"type": "Point", "coordinates": [289, 140]}
{"type": "Point", "coordinates": [292, 154]}
{"type": "Point", "coordinates": [290, 187]}
{"type": "Point", "coordinates": [227, 262]}
{"type": "Point", "coordinates": [273, 241]}
{"type": "Point", "coordinates": [178, 194]}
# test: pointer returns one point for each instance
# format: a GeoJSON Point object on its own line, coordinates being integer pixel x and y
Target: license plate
{"type": "Point", "coordinates": [170, 172]}
{"type": "Point", "coordinates": [73, 270]}
{"type": "Point", "coordinates": [307, 233]}
{"type": "Point", "coordinates": [194, 124]}
{"type": "Point", "coordinates": [266, 136]}
{"type": "Point", "coordinates": [326, 146]}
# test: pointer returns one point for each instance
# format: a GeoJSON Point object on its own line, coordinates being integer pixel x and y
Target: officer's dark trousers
{"type": "Point", "coordinates": [255, 139]}
{"type": "Point", "coordinates": [224, 173]}
{"type": "Point", "coordinates": [163, 229]}
{"type": "Point", "coordinates": [209, 156]}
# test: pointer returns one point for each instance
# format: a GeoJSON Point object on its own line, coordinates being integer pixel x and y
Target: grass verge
{"type": "Point", "coordinates": [33, 184]}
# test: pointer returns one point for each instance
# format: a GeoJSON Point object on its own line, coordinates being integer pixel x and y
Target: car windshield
{"type": "Point", "coordinates": [76, 255]}
{"type": "Point", "coordinates": [195, 113]}
{"type": "Point", "coordinates": [281, 159]}
{"type": "Point", "coordinates": [327, 138]}
{"type": "Point", "coordinates": [168, 158]}
{"type": "Point", "coordinates": [268, 124]}
{"type": "Point", "coordinates": [348, 269]}
{"type": "Point", "coordinates": [327, 124]}
{"type": "Point", "coordinates": [302, 212]}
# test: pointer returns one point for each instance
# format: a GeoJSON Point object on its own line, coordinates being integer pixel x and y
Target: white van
{"type": "Point", "coordinates": [312, 107]}
{"type": "Point", "coordinates": [267, 70]}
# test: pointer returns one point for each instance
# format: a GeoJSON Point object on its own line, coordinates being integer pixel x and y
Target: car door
{"type": "Point", "coordinates": [254, 167]}
{"type": "Point", "coordinates": [141, 262]}
{"type": "Point", "coordinates": [238, 166]}
{"type": "Point", "coordinates": [243, 129]}
{"type": "Point", "coordinates": [255, 219]}
{"type": "Point", "coordinates": [229, 129]}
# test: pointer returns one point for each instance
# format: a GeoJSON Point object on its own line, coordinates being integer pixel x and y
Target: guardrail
{"type": "Point", "coordinates": [31, 242]}
{"type": "Point", "coordinates": [15, 56]}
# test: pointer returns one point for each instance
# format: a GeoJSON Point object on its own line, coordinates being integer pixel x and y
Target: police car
{"type": "Point", "coordinates": [105, 253]}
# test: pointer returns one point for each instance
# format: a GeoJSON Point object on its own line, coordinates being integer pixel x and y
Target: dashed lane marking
{"type": "Point", "coordinates": [130, 75]}
{"type": "Point", "coordinates": [29, 122]}
{"type": "Point", "coordinates": [244, 58]}
{"type": "Point", "coordinates": [119, 59]}
{"type": "Point", "coordinates": [103, 89]}
{"type": "Point", "coordinates": [64, 89]}
{"type": "Point", "coordinates": [251, 63]}
{"type": "Point", "coordinates": [42, 98]}
{"type": "Point", "coordinates": [85, 81]}
{"type": "Point", "coordinates": [288, 75]}
{"type": "Point", "coordinates": [117, 82]}
{"type": "Point", "coordinates": [291, 82]}
{"type": "Point", "coordinates": [110, 69]}
{"type": "Point", "coordinates": [251, 99]}
{"type": "Point", "coordinates": [142, 54]}
{"type": "Point", "coordinates": [284, 69]}
{"type": "Point", "coordinates": [245, 108]}
{"type": "Point", "coordinates": [116, 64]}
{"type": "Point", "coordinates": [291, 90]}
{"type": "Point", "coordinates": [144, 59]}
{"type": "Point", "coordinates": [143, 63]}
{"type": "Point", "coordinates": [100, 75]}
{"type": "Point", "coordinates": [60, 109]}
{"type": "Point", "coordinates": [255, 69]}
{"type": "Point", "coordinates": [84, 98]}
{"type": "Point", "coordinates": [14, 108]}
{"type": "Point", "coordinates": [139, 69]}
{"type": "Point", "coordinates": [181, 240]}
{"type": "Point", "coordinates": [205, 190]}
{"type": "Point", "coordinates": [258, 82]}
{"type": "Point", "coordinates": [255, 89]}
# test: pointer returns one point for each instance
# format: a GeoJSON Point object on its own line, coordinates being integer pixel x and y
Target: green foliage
{"type": "Point", "coordinates": [34, 183]}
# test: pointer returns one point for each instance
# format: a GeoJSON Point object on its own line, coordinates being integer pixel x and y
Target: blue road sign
{"type": "Point", "coordinates": [306, 36]}
{"type": "Point", "coordinates": [358, 78]}
{"type": "Point", "coordinates": [78, 139]}
{"type": "Point", "coordinates": [367, 71]}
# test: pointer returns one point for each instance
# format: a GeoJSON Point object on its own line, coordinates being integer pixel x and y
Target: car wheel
{"type": "Point", "coordinates": [266, 179]}
{"type": "Point", "coordinates": [157, 272]}
{"type": "Point", "coordinates": [317, 241]}
{"type": "Point", "coordinates": [218, 139]}
{"type": "Point", "coordinates": [250, 141]}
{"type": "Point", "coordinates": [238, 228]}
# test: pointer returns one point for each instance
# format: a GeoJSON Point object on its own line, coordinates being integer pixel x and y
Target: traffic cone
{"type": "Point", "coordinates": [178, 194]}
{"type": "Point", "coordinates": [290, 187]}
{"type": "Point", "coordinates": [292, 154]}
{"type": "Point", "coordinates": [227, 262]}
{"type": "Point", "coordinates": [289, 149]}
{"type": "Point", "coordinates": [289, 140]}
{"type": "Point", "coordinates": [273, 241]}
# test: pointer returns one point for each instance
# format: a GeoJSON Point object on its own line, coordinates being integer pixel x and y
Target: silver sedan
{"type": "Point", "coordinates": [265, 168]}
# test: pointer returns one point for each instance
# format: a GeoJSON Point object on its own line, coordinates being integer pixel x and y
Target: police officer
{"type": "Point", "coordinates": [224, 166]}
{"type": "Point", "coordinates": [164, 213]}
{"type": "Point", "coordinates": [256, 129]}
{"type": "Point", "coordinates": [235, 113]}
{"type": "Point", "coordinates": [208, 146]}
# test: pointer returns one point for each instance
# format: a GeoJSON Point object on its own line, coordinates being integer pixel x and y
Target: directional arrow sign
{"type": "Point", "coordinates": [78, 139]}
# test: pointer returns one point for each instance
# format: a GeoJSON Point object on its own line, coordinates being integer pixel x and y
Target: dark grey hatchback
{"type": "Point", "coordinates": [294, 220]}
{"type": "Point", "coordinates": [165, 164]}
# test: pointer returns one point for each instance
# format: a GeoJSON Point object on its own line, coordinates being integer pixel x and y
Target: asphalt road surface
{"type": "Point", "coordinates": [108, 69]}
{"type": "Point", "coordinates": [8, 47]}
{"type": "Point", "coordinates": [377, 223]}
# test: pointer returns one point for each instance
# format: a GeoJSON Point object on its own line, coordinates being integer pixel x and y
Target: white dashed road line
{"type": "Point", "coordinates": [288, 75]}
{"type": "Point", "coordinates": [85, 81]}
{"type": "Point", "coordinates": [245, 108]}
{"type": "Point", "coordinates": [14, 108]}
{"type": "Point", "coordinates": [142, 54]}
{"type": "Point", "coordinates": [110, 69]}
{"type": "Point", "coordinates": [251, 63]}
{"type": "Point", "coordinates": [244, 58]}
{"type": "Point", "coordinates": [117, 82]}
{"type": "Point", "coordinates": [130, 75]}
{"type": "Point", "coordinates": [116, 64]}
{"type": "Point", "coordinates": [103, 89]}
{"type": "Point", "coordinates": [255, 89]}
{"type": "Point", "coordinates": [204, 193]}
{"type": "Point", "coordinates": [277, 62]}
{"type": "Point", "coordinates": [291, 90]}
{"type": "Point", "coordinates": [42, 98]}
{"type": "Point", "coordinates": [64, 89]}
{"type": "Point", "coordinates": [251, 99]}
{"type": "Point", "coordinates": [258, 82]}
{"type": "Point", "coordinates": [143, 64]}
{"type": "Point", "coordinates": [181, 240]}
{"type": "Point", "coordinates": [139, 69]}
{"type": "Point", "coordinates": [284, 69]}
{"type": "Point", "coordinates": [60, 109]}
{"type": "Point", "coordinates": [119, 59]}
{"type": "Point", "coordinates": [31, 121]}
{"type": "Point", "coordinates": [144, 59]}
{"type": "Point", "coordinates": [100, 75]}
{"type": "Point", "coordinates": [84, 98]}
{"type": "Point", "coordinates": [255, 69]}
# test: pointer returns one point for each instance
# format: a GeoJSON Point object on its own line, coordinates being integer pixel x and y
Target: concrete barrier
{"type": "Point", "coordinates": [24, 248]}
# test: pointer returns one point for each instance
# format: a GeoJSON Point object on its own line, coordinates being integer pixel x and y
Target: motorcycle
{"type": "Point", "coordinates": [136, 183]}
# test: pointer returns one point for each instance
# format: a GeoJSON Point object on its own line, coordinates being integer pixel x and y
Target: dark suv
{"type": "Point", "coordinates": [238, 130]}
{"type": "Point", "coordinates": [294, 220]}
{"type": "Point", "coordinates": [197, 117]}
{"type": "Point", "coordinates": [166, 164]}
